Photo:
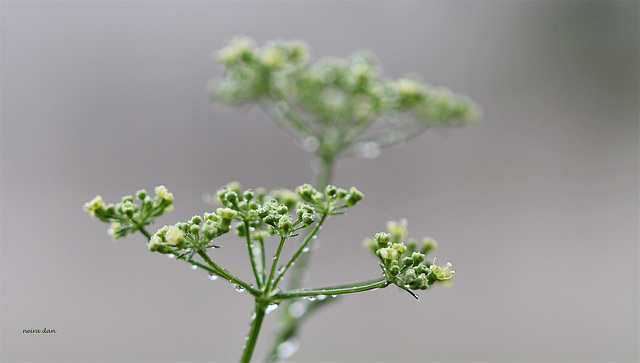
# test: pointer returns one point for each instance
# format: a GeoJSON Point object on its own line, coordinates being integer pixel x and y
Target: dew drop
{"type": "Point", "coordinates": [288, 348]}
{"type": "Point", "coordinates": [212, 277]}
{"type": "Point", "coordinates": [321, 297]}
{"type": "Point", "coordinates": [239, 288]}
{"type": "Point", "coordinates": [207, 198]}
{"type": "Point", "coordinates": [334, 295]}
{"type": "Point", "coordinates": [368, 150]}
{"type": "Point", "coordinates": [170, 255]}
{"type": "Point", "coordinates": [271, 308]}
{"type": "Point", "coordinates": [310, 144]}
{"type": "Point", "coordinates": [311, 298]}
{"type": "Point", "coordinates": [281, 269]}
{"type": "Point", "coordinates": [297, 309]}
{"type": "Point", "coordinates": [306, 249]}
{"type": "Point", "coordinates": [194, 267]}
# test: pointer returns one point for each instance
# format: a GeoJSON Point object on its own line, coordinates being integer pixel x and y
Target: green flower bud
{"type": "Point", "coordinates": [331, 191]}
{"type": "Point", "coordinates": [285, 224]}
{"type": "Point", "coordinates": [147, 201]}
{"type": "Point", "coordinates": [162, 192]}
{"type": "Point", "coordinates": [409, 276]}
{"type": "Point", "coordinates": [353, 197]}
{"type": "Point", "coordinates": [227, 213]}
{"type": "Point", "coordinates": [286, 197]}
{"type": "Point", "coordinates": [154, 243]}
{"type": "Point", "coordinates": [182, 226]}
{"type": "Point", "coordinates": [411, 244]}
{"type": "Point", "coordinates": [128, 208]}
{"type": "Point", "coordinates": [141, 194]}
{"type": "Point", "coordinates": [394, 270]}
{"type": "Point", "coordinates": [417, 257]}
{"type": "Point", "coordinates": [241, 229]}
{"type": "Point", "coordinates": [400, 247]}
{"type": "Point", "coordinates": [263, 212]}
{"type": "Point", "coordinates": [371, 244]}
{"type": "Point", "coordinates": [209, 229]}
{"type": "Point", "coordinates": [428, 244]}
{"type": "Point", "coordinates": [194, 229]}
{"type": "Point", "coordinates": [421, 282]}
{"type": "Point", "coordinates": [382, 238]}
{"type": "Point", "coordinates": [306, 191]}
{"type": "Point", "coordinates": [387, 253]}
{"type": "Point", "coordinates": [341, 193]}
{"type": "Point", "coordinates": [397, 229]}
{"type": "Point", "coordinates": [162, 232]}
{"type": "Point", "coordinates": [308, 218]}
{"type": "Point", "coordinates": [239, 49]}
{"type": "Point", "coordinates": [410, 91]}
{"type": "Point", "coordinates": [248, 195]}
{"type": "Point", "coordinates": [94, 204]}
{"type": "Point", "coordinates": [282, 209]}
{"type": "Point", "coordinates": [195, 220]}
{"type": "Point", "coordinates": [407, 261]}
{"type": "Point", "coordinates": [127, 199]}
{"type": "Point", "coordinates": [298, 51]}
{"type": "Point", "coordinates": [113, 230]}
{"type": "Point", "coordinates": [231, 197]}
{"type": "Point", "coordinates": [270, 218]}
{"type": "Point", "coordinates": [272, 57]}
{"type": "Point", "coordinates": [421, 269]}
{"type": "Point", "coordinates": [174, 236]}
{"type": "Point", "coordinates": [253, 205]}
{"type": "Point", "coordinates": [260, 194]}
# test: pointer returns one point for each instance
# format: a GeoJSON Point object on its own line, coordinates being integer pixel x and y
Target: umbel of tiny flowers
{"type": "Point", "coordinates": [259, 215]}
{"type": "Point", "coordinates": [404, 264]}
{"type": "Point", "coordinates": [127, 217]}
{"type": "Point", "coordinates": [329, 105]}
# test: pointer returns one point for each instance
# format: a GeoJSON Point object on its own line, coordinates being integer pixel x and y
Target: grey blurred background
{"type": "Point", "coordinates": [536, 206]}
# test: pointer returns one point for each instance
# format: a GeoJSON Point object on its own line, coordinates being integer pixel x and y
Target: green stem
{"type": "Point", "coordinates": [301, 248]}
{"type": "Point", "coordinates": [335, 290]}
{"type": "Point", "coordinates": [323, 177]}
{"type": "Point", "coordinates": [289, 324]}
{"type": "Point", "coordinates": [226, 275]}
{"type": "Point", "coordinates": [252, 256]}
{"type": "Point", "coordinates": [252, 338]}
{"type": "Point", "coordinates": [270, 281]}
{"type": "Point", "coordinates": [144, 232]}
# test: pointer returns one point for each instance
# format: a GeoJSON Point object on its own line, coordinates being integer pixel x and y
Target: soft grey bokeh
{"type": "Point", "coordinates": [536, 206]}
